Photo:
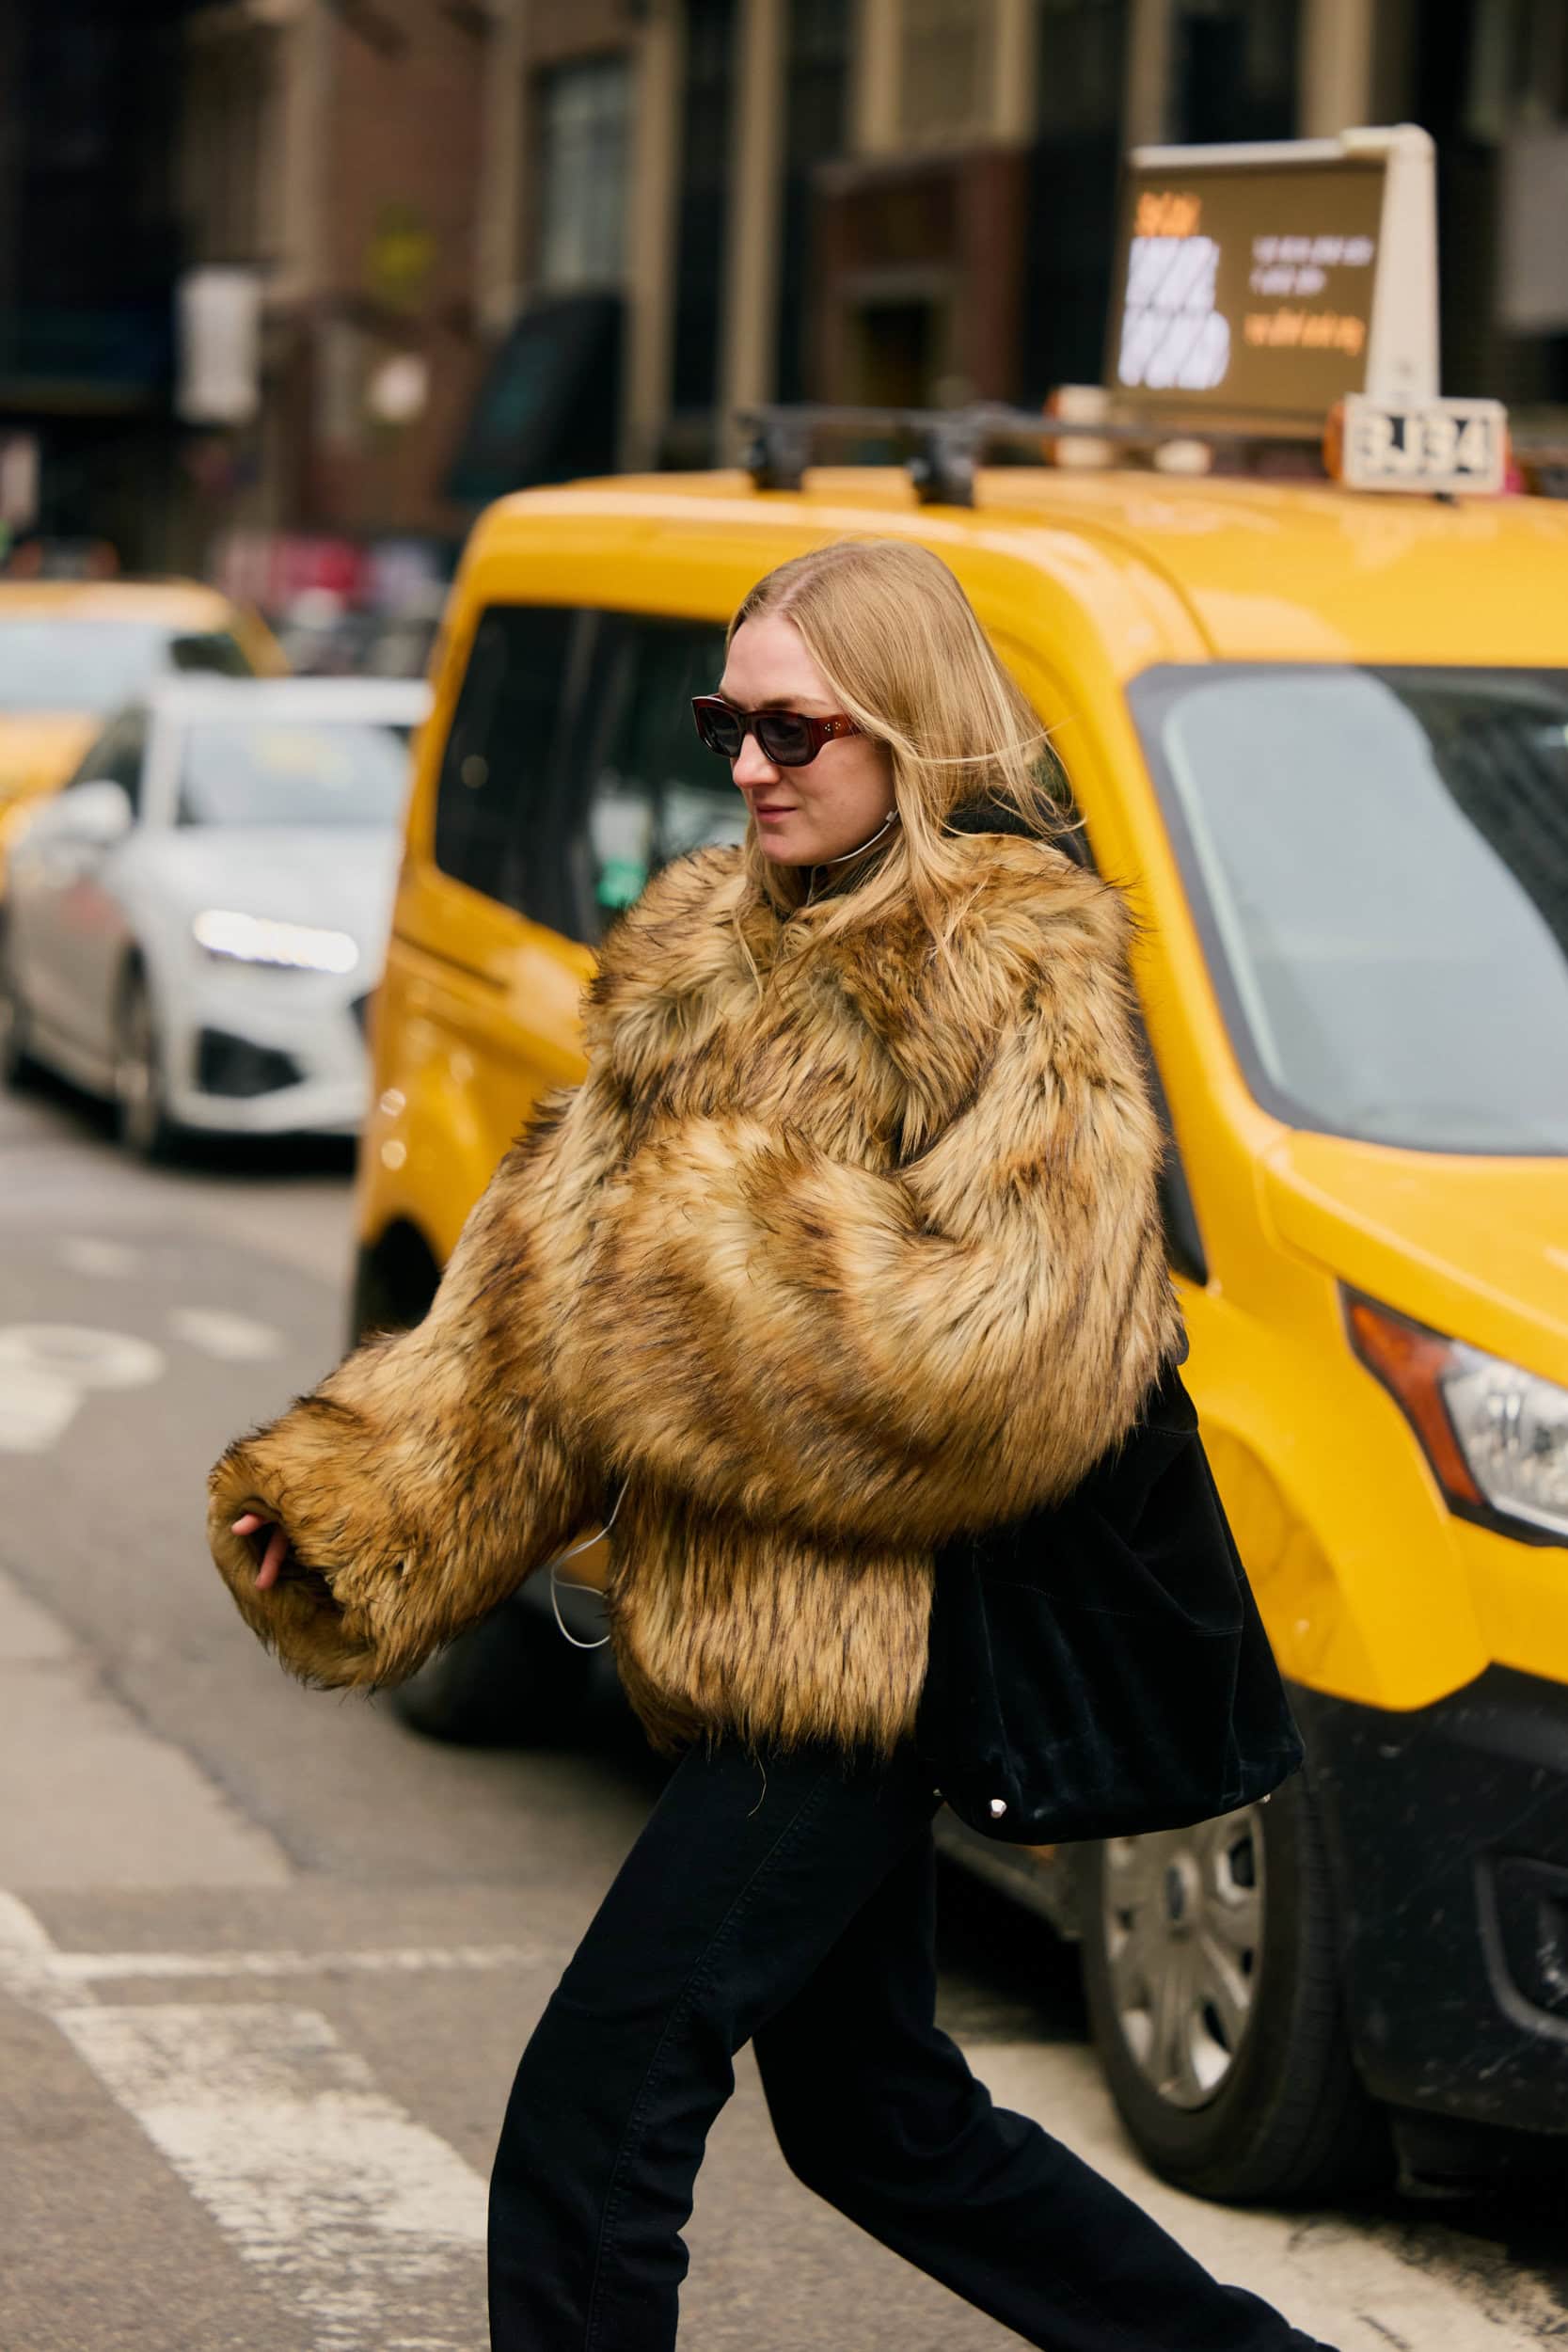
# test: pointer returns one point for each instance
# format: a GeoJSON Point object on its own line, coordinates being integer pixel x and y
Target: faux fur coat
{"type": "Point", "coordinates": [836, 1252]}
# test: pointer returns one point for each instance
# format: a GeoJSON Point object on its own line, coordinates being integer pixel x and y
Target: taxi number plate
{"type": "Point", "coordinates": [1442, 445]}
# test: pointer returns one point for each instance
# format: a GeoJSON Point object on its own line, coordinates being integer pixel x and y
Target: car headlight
{"type": "Point", "coordinates": [257, 939]}
{"type": "Point", "coordinates": [1497, 1436]}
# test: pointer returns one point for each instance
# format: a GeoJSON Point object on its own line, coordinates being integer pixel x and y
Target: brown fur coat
{"type": "Point", "coordinates": [830, 1258]}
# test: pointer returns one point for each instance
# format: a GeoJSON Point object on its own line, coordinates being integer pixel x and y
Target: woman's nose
{"type": "Point", "coordinates": [751, 766]}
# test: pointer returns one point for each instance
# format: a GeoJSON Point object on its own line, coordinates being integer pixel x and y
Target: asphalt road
{"type": "Point", "coordinates": [266, 1960]}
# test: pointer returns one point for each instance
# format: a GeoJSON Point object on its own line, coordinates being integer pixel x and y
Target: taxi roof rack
{"type": "Point", "coordinates": [942, 448]}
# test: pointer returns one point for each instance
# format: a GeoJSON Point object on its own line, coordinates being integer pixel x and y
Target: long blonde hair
{"type": "Point", "coordinates": [896, 639]}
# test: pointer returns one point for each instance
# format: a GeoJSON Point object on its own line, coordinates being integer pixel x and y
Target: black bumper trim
{"type": "Point", "coordinates": [1447, 1835]}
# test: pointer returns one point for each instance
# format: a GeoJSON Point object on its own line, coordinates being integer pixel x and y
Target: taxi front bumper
{"type": "Point", "coordinates": [1448, 1833]}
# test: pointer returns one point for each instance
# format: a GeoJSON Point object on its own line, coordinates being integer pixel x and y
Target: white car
{"type": "Point", "coordinates": [193, 925]}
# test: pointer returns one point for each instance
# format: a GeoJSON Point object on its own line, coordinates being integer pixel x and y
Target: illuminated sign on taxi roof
{"type": "Point", "coordinates": [1271, 280]}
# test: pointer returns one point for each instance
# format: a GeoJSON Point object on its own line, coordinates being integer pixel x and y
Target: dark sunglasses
{"type": "Point", "coordinates": [789, 738]}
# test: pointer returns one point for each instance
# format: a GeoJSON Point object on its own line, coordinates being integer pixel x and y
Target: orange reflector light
{"type": "Point", "coordinates": [1410, 1362]}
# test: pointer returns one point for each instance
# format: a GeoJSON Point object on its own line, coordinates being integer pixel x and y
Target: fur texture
{"type": "Point", "coordinates": [833, 1256]}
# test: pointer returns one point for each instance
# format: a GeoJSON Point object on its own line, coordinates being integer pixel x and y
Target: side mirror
{"type": "Point", "coordinates": [98, 814]}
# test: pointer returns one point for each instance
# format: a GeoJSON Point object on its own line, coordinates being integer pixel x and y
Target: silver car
{"type": "Point", "coordinates": [193, 925]}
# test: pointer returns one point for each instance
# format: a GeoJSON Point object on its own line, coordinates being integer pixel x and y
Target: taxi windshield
{"type": "Point", "coordinates": [87, 665]}
{"type": "Point", "coordinates": [292, 772]}
{"type": "Point", "coordinates": [1378, 863]}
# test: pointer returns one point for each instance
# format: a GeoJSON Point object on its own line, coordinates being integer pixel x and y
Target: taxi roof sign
{"type": "Point", "coordinates": [1272, 279]}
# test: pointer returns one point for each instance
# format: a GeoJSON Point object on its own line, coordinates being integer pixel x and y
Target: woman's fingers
{"type": "Point", "coordinates": [273, 1552]}
{"type": "Point", "coordinates": [273, 1559]}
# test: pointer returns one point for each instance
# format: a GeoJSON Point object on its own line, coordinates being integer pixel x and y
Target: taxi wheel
{"type": "Point", "coordinates": [140, 1116]}
{"type": "Point", "coordinates": [1212, 1973]}
{"type": "Point", "coordinates": [510, 1681]}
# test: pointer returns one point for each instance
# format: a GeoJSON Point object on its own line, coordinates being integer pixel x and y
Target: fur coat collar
{"type": "Point", "coordinates": [843, 1247]}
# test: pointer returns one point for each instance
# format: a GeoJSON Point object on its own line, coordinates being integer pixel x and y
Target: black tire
{"type": "Point", "coordinates": [511, 1681]}
{"type": "Point", "coordinates": [395, 1280]}
{"type": "Point", "coordinates": [141, 1116]}
{"type": "Point", "coordinates": [1286, 2118]}
{"type": "Point", "coordinates": [17, 1066]}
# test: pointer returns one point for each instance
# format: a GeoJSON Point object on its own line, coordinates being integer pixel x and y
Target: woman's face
{"type": "Point", "coordinates": [803, 816]}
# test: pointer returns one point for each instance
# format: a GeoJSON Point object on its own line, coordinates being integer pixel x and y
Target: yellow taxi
{"type": "Point", "coordinates": [73, 650]}
{"type": "Point", "coordinates": [1323, 739]}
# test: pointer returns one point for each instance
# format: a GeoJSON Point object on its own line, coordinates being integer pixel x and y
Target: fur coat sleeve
{"type": "Point", "coordinates": [429, 1474]}
{"type": "Point", "coordinates": [896, 1356]}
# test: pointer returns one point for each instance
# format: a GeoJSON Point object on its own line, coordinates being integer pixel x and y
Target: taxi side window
{"type": "Point", "coordinates": [499, 753]}
{"type": "Point", "coordinates": [118, 755]}
{"type": "Point", "coordinates": [639, 788]}
{"type": "Point", "coordinates": [213, 651]}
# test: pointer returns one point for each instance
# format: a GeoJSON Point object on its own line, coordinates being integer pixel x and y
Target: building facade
{"type": "Point", "coordinates": [912, 201]}
{"type": "Point", "coordinates": [427, 249]}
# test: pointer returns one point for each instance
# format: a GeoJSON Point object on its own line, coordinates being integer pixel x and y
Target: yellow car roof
{"type": "Point", "coordinates": [177, 602]}
{"type": "Point", "coordinates": [1244, 569]}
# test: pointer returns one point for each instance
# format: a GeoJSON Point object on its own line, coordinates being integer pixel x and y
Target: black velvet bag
{"type": "Point", "coordinates": [1100, 1669]}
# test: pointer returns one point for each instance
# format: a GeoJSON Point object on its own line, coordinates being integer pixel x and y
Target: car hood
{"type": "Point", "coordinates": [39, 750]}
{"type": "Point", "coordinates": [1476, 1247]}
{"type": "Point", "coordinates": [342, 880]}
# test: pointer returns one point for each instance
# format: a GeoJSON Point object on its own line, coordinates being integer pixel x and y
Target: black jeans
{"type": "Point", "coordinates": [793, 1906]}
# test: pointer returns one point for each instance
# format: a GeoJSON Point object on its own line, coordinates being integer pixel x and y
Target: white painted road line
{"type": "Point", "coordinates": [47, 1368]}
{"type": "Point", "coordinates": [75, 1968]}
{"type": "Point", "coordinates": [230, 1339]}
{"type": "Point", "coordinates": [88, 1253]}
{"type": "Point", "coordinates": [362, 2216]}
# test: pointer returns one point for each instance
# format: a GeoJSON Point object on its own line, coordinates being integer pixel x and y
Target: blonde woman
{"type": "Point", "coordinates": [848, 1241]}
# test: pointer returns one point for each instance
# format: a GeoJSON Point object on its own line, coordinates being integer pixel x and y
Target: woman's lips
{"type": "Point", "coordinates": [762, 810]}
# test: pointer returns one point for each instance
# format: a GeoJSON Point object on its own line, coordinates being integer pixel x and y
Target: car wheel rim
{"type": "Point", "coordinates": [1183, 1928]}
{"type": "Point", "coordinates": [136, 1076]}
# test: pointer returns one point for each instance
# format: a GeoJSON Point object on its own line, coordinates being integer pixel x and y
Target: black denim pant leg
{"type": "Point", "coordinates": [741, 1883]}
{"type": "Point", "coordinates": [751, 1907]}
{"type": "Point", "coordinates": [877, 2110]}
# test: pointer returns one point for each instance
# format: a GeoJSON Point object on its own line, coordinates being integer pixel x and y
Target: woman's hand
{"type": "Point", "coordinates": [273, 1552]}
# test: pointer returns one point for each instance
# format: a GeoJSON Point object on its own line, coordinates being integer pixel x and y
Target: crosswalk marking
{"type": "Point", "coordinates": [71, 1968]}
{"type": "Point", "coordinates": [368, 2221]}
{"type": "Point", "coordinates": [362, 2214]}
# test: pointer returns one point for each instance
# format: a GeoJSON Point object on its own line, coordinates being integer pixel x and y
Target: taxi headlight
{"type": "Point", "coordinates": [1513, 1431]}
{"type": "Point", "coordinates": [257, 939]}
{"type": "Point", "coordinates": [1495, 1435]}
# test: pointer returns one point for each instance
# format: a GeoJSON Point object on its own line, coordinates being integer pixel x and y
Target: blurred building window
{"type": "Point", "coordinates": [1071, 233]}
{"type": "Point", "coordinates": [1518, 68]}
{"type": "Point", "coordinates": [817, 73]}
{"type": "Point", "coordinates": [1083, 47]}
{"type": "Point", "coordinates": [584, 140]}
{"type": "Point", "coordinates": [231, 166]}
{"type": "Point", "coordinates": [1235, 69]}
{"type": "Point", "coordinates": [946, 70]}
{"type": "Point", "coordinates": [704, 169]}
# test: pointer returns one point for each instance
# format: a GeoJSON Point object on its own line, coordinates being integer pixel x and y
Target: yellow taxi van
{"type": "Point", "coordinates": [1323, 741]}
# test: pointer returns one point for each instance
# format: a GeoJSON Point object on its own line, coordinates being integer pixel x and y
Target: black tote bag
{"type": "Point", "coordinates": [1100, 1669]}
